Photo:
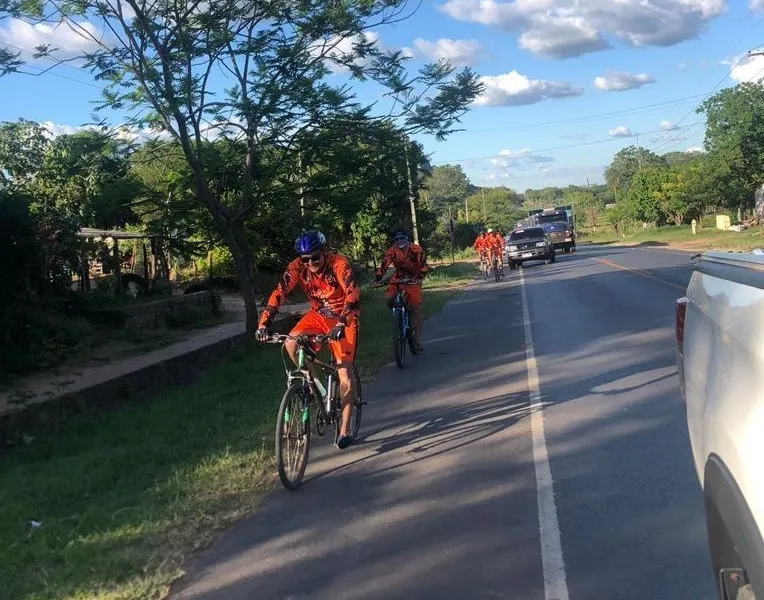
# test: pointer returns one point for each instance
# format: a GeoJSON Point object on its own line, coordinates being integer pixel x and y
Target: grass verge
{"type": "Point", "coordinates": [111, 506]}
{"type": "Point", "coordinates": [682, 238]}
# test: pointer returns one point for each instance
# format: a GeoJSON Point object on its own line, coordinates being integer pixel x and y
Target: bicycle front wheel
{"type": "Point", "coordinates": [399, 341]}
{"type": "Point", "coordinates": [293, 436]}
{"type": "Point", "coordinates": [355, 424]}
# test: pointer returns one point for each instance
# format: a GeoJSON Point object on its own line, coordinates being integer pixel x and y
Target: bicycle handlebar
{"type": "Point", "coordinates": [303, 338]}
{"type": "Point", "coordinates": [401, 282]}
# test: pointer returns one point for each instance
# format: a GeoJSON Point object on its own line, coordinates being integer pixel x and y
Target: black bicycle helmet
{"type": "Point", "coordinates": [400, 233]}
{"type": "Point", "coordinates": [309, 241]}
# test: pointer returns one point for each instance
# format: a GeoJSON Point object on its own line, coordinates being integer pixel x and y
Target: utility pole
{"type": "Point", "coordinates": [485, 218]}
{"type": "Point", "coordinates": [466, 211]}
{"type": "Point", "coordinates": [302, 186]}
{"type": "Point", "coordinates": [411, 191]}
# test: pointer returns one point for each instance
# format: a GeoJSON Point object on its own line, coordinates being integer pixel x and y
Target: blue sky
{"type": "Point", "coordinates": [569, 82]}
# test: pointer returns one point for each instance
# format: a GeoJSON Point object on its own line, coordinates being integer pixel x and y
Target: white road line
{"type": "Point", "coordinates": [555, 582]}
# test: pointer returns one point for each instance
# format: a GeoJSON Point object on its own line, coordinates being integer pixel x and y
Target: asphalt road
{"type": "Point", "coordinates": [448, 497]}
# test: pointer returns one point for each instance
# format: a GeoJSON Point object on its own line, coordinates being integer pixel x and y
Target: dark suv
{"type": "Point", "coordinates": [530, 243]}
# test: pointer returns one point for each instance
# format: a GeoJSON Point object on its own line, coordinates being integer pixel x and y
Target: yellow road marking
{"type": "Point", "coordinates": [610, 263]}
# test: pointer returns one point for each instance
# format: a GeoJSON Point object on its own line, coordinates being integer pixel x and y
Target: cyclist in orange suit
{"type": "Point", "coordinates": [410, 262]}
{"type": "Point", "coordinates": [495, 244]}
{"type": "Point", "coordinates": [327, 279]}
{"type": "Point", "coordinates": [482, 248]}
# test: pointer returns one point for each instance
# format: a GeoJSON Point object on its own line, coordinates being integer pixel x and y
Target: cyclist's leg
{"type": "Point", "coordinates": [344, 354]}
{"type": "Point", "coordinates": [311, 323]}
{"type": "Point", "coordinates": [414, 299]}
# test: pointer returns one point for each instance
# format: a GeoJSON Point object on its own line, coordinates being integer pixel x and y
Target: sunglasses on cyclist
{"type": "Point", "coordinates": [308, 258]}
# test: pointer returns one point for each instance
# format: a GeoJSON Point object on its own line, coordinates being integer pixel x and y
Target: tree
{"type": "Point", "coordinates": [587, 204]}
{"type": "Point", "coordinates": [447, 187]}
{"type": "Point", "coordinates": [735, 141]}
{"type": "Point", "coordinates": [162, 65]}
{"type": "Point", "coordinates": [502, 208]}
{"type": "Point", "coordinates": [626, 163]}
{"type": "Point", "coordinates": [22, 148]}
{"type": "Point", "coordinates": [646, 192]}
{"type": "Point", "coordinates": [679, 158]}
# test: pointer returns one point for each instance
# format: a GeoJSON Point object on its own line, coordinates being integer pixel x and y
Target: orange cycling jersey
{"type": "Point", "coordinates": [495, 243]}
{"type": "Point", "coordinates": [332, 293]}
{"type": "Point", "coordinates": [409, 263]}
{"type": "Point", "coordinates": [480, 244]}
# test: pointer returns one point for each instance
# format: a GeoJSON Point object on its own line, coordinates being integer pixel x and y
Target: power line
{"type": "Point", "coordinates": [666, 144]}
{"type": "Point", "coordinates": [555, 148]}
{"type": "Point", "coordinates": [595, 117]}
{"type": "Point", "coordinates": [51, 71]}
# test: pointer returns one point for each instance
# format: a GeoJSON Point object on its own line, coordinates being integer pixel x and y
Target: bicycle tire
{"type": "Point", "coordinates": [355, 426]}
{"type": "Point", "coordinates": [496, 273]}
{"type": "Point", "coordinates": [399, 343]}
{"type": "Point", "coordinates": [293, 392]}
{"type": "Point", "coordinates": [411, 338]}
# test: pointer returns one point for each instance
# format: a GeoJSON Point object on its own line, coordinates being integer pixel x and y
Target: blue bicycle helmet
{"type": "Point", "coordinates": [309, 241]}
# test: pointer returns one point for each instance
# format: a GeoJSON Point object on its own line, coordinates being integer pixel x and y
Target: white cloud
{"type": "Point", "coordinates": [512, 162]}
{"type": "Point", "coordinates": [566, 28]}
{"type": "Point", "coordinates": [668, 126]}
{"type": "Point", "coordinates": [515, 89]}
{"type": "Point", "coordinates": [746, 69]}
{"type": "Point", "coordinates": [55, 129]}
{"type": "Point", "coordinates": [619, 81]}
{"type": "Point", "coordinates": [620, 132]}
{"type": "Point", "coordinates": [756, 5]}
{"type": "Point", "coordinates": [68, 42]}
{"type": "Point", "coordinates": [339, 49]}
{"type": "Point", "coordinates": [561, 37]}
{"type": "Point", "coordinates": [458, 52]}
{"type": "Point", "coordinates": [695, 150]}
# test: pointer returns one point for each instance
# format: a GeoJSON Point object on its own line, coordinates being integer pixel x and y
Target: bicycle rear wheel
{"type": "Point", "coordinates": [293, 436]}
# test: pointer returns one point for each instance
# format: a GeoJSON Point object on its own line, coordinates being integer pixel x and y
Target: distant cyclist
{"type": "Point", "coordinates": [410, 262]}
{"type": "Point", "coordinates": [495, 243]}
{"type": "Point", "coordinates": [482, 248]}
{"type": "Point", "coordinates": [327, 279]}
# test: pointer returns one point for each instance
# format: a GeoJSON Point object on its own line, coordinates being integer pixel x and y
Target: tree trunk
{"type": "Point", "coordinates": [241, 251]}
{"type": "Point", "coordinates": [411, 193]}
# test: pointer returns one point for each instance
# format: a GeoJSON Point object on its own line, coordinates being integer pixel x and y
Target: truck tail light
{"type": "Point", "coordinates": [681, 314]}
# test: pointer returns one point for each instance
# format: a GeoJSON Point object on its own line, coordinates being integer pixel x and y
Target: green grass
{"type": "Point", "coordinates": [707, 238]}
{"type": "Point", "coordinates": [125, 497]}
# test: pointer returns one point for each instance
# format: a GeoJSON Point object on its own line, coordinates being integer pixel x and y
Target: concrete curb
{"type": "Point", "coordinates": [141, 384]}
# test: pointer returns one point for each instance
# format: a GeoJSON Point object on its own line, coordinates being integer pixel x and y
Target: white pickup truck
{"type": "Point", "coordinates": [720, 351]}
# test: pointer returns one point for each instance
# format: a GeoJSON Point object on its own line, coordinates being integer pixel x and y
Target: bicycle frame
{"type": "Point", "coordinates": [301, 372]}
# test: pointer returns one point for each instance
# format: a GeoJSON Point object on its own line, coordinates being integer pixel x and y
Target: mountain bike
{"type": "Point", "coordinates": [485, 267]}
{"type": "Point", "coordinates": [403, 330]}
{"type": "Point", "coordinates": [307, 400]}
{"type": "Point", "coordinates": [495, 267]}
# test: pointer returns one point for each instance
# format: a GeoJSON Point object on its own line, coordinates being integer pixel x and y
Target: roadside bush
{"type": "Point", "coordinates": [34, 337]}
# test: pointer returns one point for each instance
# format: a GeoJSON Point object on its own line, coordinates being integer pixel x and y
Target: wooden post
{"type": "Point", "coordinates": [117, 265]}
{"type": "Point", "coordinates": [146, 266]}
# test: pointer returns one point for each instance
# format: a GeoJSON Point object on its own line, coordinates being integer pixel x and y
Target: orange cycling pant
{"type": "Point", "coordinates": [411, 292]}
{"type": "Point", "coordinates": [313, 323]}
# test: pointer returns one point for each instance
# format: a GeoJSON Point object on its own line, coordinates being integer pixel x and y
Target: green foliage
{"type": "Point", "coordinates": [735, 141]}
{"type": "Point", "coordinates": [502, 208]}
{"type": "Point", "coordinates": [627, 163]}
{"type": "Point", "coordinates": [448, 186]}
